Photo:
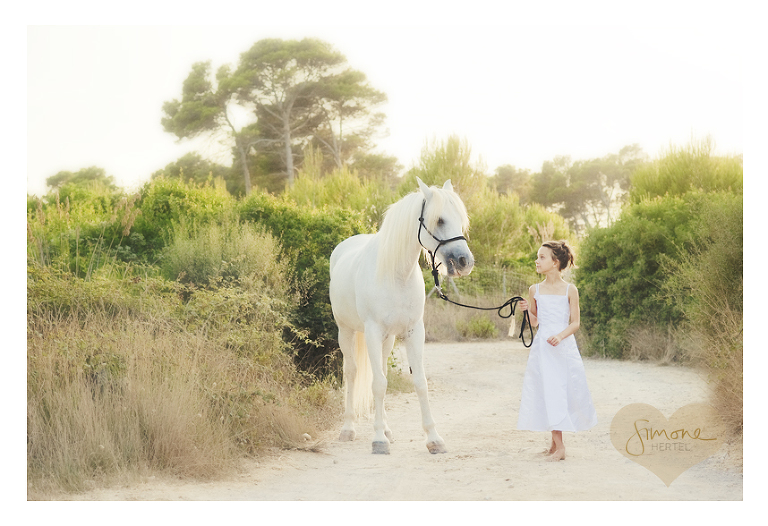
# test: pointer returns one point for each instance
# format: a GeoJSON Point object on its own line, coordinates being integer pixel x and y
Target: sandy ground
{"type": "Point", "coordinates": [475, 395]}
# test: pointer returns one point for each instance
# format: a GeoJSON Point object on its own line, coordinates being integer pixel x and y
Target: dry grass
{"type": "Point", "coordinates": [664, 347]}
{"type": "Point", "coordinates": [111, 398]}
{"type": "Point", "coordinates": [723, 352]}
{"type": "Point", "coordinates": [446, 322]}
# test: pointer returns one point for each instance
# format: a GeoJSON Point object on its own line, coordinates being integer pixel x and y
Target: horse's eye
{"type": "Point", "coordinates": [440, 222]}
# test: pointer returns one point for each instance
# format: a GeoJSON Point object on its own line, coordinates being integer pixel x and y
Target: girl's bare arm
{"type": "Point", "coordinates": [531, 307]}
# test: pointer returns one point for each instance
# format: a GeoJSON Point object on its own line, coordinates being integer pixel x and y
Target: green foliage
{"type": "Point", "coordinates": [230, 252]}
{"type": "Point", "coordinates": [81, 234]}
{"type": "Point", "coordinates": [379, 167]}
{"type": "Point", "coordinates": [708, 281]}
{"type": "Point", "coordinates": [502, 232]}
{"type": "Point", "coordinates": [56, 293]}
{"type": "Point", "coordinates": [166, 202]}
{"type": "Point", "coordinates": [440, 161]}
{"type": "Point", "coordinates": [192, 168]}
{"type": "Point", "coordinates": [299, 92]}
{"type": "Point", "coordinates": [308, 236]}
{"type": "Point", "coordinates": [692, 167]}
{"type": "Point", "coordinates": [123, 376]}
{"type": "Point", "coordinates": [201, 108]}
{"type": "Point", "coordinates": [710, 277]}
{"type": "Point", "coordinates": [587, 193]}
{"type": "Point", "coordinates": [91, 177]}
{"type": "Point", "coordinates": [497, 227]}
{"type": "Point", "coordinates": [626, 268]}
{"type": "Point", "coordinates": [348, 101]}
{"type": "Point", "coordinates": [341, 187]}
{"type": "Point", "coordinates": [621, 268]}
{"type": "Point", "coordinates": [509, 179]}
{"type": "Point", "coordinates": [477, 327]}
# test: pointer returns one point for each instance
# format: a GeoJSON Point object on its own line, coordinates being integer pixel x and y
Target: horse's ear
{"type": "Point", "coordinates": [448, 186]}
{"type": "Point", "coordinates": [427, 191]}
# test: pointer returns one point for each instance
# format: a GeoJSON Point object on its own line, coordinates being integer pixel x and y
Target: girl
{"type": "Point", "coordinates": [555, 395]}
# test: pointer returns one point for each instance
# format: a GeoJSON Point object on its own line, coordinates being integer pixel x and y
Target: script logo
{"type": "Point", "coordinates": [667, 448]}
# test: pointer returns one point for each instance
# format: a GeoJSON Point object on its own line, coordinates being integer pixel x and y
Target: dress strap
{"type": "Point", "coordinates": [566, 290]}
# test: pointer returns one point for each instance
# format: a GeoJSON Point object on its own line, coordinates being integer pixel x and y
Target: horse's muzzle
{"type": "Point", "coordinates": [459, 264]}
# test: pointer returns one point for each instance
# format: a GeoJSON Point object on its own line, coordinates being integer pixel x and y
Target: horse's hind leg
{"type": "Point", "coordinates": [347, 344]}
{"type": "Point", "coordinates": [414, 345]}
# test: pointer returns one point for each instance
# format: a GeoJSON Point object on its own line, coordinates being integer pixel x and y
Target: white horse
{"type": "Point", "coordinates": [377, 293]}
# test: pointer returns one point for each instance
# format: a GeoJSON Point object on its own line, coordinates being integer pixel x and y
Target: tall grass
{"type": "Point", "coordinates": [711, 278]}
{"type": "Point", "coordinates": [340, 187]}
{"type": "Point", "coordinates": [130, 373]}
{"type": "Point", "coordinates": [683, 169]}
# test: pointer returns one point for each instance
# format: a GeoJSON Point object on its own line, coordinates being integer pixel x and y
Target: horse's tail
{"type": "Point", "coordinates": [362, 395]}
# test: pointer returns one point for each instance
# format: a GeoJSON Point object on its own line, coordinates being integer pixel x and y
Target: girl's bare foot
{"type": "Point", "coordinates": [559, 454]}
{"type": "Point", "coordinates": [552, 449]}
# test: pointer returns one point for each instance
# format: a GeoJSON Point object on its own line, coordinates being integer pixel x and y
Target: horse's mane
{"type": "Point", "coordinates": [400, 228]}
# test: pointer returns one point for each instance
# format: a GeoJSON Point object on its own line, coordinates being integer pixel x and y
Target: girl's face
{"type": "Point", "coordinates": [545, 261]}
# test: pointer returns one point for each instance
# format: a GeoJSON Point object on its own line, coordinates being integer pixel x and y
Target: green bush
{"type": "Point", "coordinates": [124, 378]}
{"type": "Point", "coordinates": [682, 170]}
{"type": "Point", "coordinates": [308, 236]}
{"type": "Point", "coordinates": [621, 268]}
{"type": "Point", "coordinates": [440, 161]}
{"type": "Point", "coordinates": [165, 202]}
{"type": "Point", "coordinates": [340, 188]}
{"type": "Point", "coordinates": [227, 251]}
{"type": "Point", "coordinates": [83, 232]}
{"type": "Point", "coordinates": [709, 280]}
{"type": "Point", "coordinates": [477, 327]}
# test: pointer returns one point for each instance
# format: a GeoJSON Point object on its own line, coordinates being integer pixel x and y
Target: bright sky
{"type": "Point", "coordinates": [519, 95]}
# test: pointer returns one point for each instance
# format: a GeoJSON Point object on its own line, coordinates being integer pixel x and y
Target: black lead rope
{"type": "Point", "coordinates": [511, 302]}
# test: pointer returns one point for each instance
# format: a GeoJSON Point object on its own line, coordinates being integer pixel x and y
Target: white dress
{"type": "Point", "coordinates": [555, 395]}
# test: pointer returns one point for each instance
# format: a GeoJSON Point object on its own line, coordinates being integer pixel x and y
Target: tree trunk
{"type": "Point", "coordinates": [336, 150]}
{"type": "Point", "coordinates": [288, 149]}
{"type": "Point", "coordinates": [244, 162]}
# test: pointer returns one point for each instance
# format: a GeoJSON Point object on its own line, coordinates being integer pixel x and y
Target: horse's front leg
{"type": "Point", "coordinates": [414, 346]}
{"type": "Point", "coordinates": [373, 340]}
{"type": "Point", "coordinates": [386, 350]}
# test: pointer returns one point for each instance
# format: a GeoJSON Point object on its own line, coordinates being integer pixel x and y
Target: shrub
{"type": "Point", "coordinates": [229, 251]}
{"type": "Point", "coordinates": [124, 377]}
{"type": "Point", "coordinates": [477, 327]}
{"type": "Point", "coordinates": [682, 170]}
{"type": "Point", "coordinates": [620, 274]}
{"type": "Point", "coordinates": [710, 279]}
{"type": "Point", "coordinates": [165, 202]}
{"type": "Point", "coordinates": [81, 234]}
{"type": "Point", "coordinates": [440, 161]}
{"type": "Point", "coordinates": [341, 187]}
{"type": "Point", "coordinates": [308, 236]}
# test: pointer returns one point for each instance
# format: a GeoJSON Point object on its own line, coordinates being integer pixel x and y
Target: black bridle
{"type": "Point", "coordinates": [511, 302]}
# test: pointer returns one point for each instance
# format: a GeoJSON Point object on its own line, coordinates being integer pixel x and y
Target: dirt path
{"type": "Point", "coordinates": [475, 395]}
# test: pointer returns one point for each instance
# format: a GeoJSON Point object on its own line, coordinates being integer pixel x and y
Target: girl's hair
{"type": "Point", "coordinates": [561, 252]}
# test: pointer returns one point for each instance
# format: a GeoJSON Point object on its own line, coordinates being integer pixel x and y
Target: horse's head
{"type": "Point", "coordinates": [443, 223]}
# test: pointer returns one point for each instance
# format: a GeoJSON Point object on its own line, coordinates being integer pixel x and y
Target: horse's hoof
{"type": "Point", "coordinates": [381, 448]}
{"type": "Point", "coordinates": [388, 434]}
{"type": "Point", "coordinates": [347, 435]}
{"type": "Point", "coordinates": [436, 447]}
